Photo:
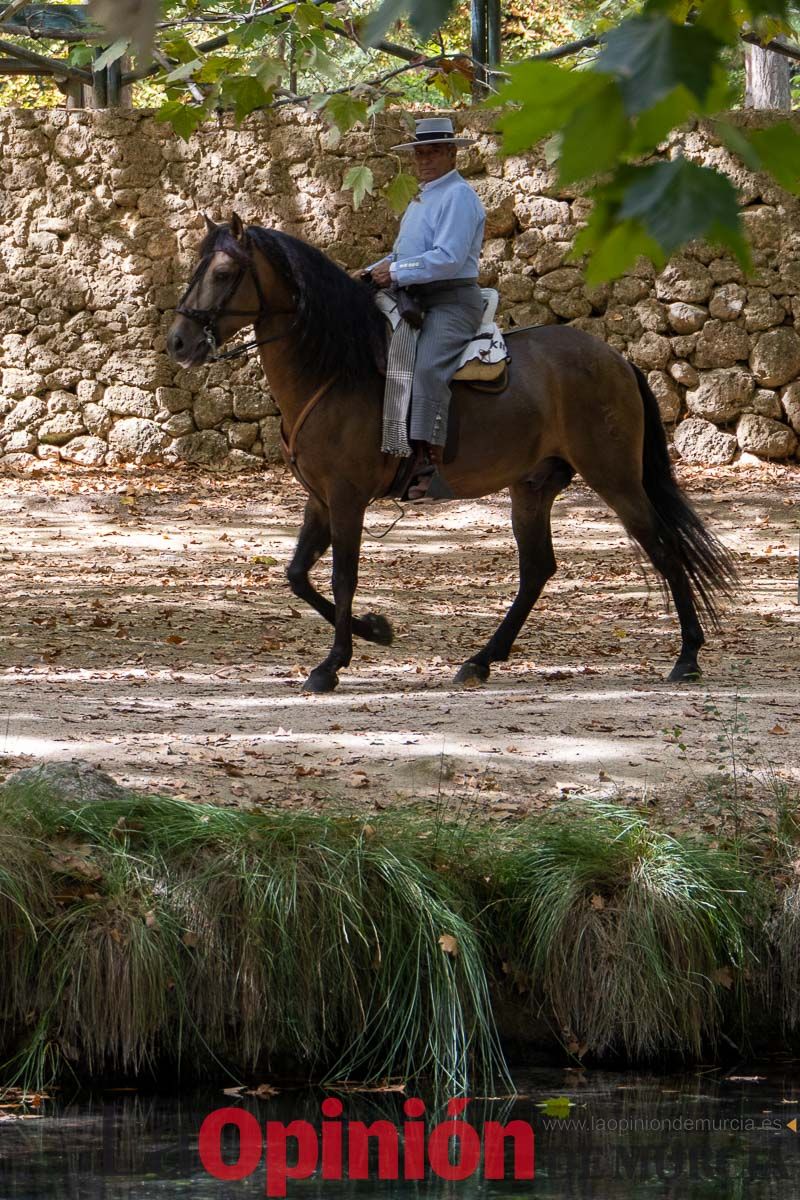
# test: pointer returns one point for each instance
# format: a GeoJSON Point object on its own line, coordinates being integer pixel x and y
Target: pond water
{"type": "Point", "coordinates": [699, 1135]}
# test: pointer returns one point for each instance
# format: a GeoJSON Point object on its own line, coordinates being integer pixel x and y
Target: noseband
{"type": "Point", "coordinates": [207, 318]}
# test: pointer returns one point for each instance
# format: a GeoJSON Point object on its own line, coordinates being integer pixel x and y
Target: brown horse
{"type": "Point", "coordinates": [572, 405]}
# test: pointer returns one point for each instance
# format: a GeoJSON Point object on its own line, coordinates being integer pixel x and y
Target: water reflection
{"type": "Point", "coordinates": [697, 1136]}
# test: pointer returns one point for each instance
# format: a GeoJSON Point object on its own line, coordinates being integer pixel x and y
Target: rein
{"type": "Point", "coordinates": [207, 318]}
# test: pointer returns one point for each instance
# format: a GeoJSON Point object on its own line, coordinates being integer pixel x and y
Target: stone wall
{"type": "Point", "coordinates": [100, 219]}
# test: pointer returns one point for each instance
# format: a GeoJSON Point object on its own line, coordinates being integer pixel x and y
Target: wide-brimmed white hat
{"type": "Point", "coordinates": [434, 129]}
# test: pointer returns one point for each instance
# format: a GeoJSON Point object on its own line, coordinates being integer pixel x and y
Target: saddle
{"type": "Point", "coordinates": [485, 358]}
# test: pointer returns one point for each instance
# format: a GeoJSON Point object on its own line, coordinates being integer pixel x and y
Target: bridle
{"type": "Point", "coordinates": [207, 318]}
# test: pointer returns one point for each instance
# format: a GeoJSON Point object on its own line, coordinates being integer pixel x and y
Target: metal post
{"type": "Point", "coordinates": [493, 31]}
{"type": "Point", "coordinates": [99, 84]}
{"type": "Point", "coordinates": [480, 48]}
{"type": "Point", "coordinates": [114, 84]}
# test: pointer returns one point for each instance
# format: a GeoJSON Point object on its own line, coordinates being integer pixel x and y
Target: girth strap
{"type": "Point", "coordinates": [289, 445]}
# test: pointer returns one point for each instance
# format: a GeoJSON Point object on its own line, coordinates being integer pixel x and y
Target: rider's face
{"type": "Point", "coordinates": [431, 162]}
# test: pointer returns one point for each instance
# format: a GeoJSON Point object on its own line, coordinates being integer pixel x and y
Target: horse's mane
{"type": "Point", "coordinates": [340, 331]}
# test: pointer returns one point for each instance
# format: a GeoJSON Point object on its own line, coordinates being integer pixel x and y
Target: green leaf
{"type": "Point", "coordinates": [215, 65]}
{"type": "Point", "coordinates": [655, 123]}
{"type": "Point", "coordinates": [401, 191]}
{"type": "Point", "coordinates": [737, 143]}
{"type": "Point", "coordinates": [270, 71]}
{"type": "Point", "coordinates": [595, 136]}
{"type": "Point", "coordinates": [179, 47]}
{"type": "Point", "coordinates": [651, 55]}
{"type": "Point", "coordinates": [616, 252]}
{"type": "Point", "coordinates": [246, 35]}
{"type": "Point", "coordinates": [679, 201]}
{"type": "Point", "coordinates": [547, 96]}
{"type": "Point", "coordinates": [80, 55]}
{"type": "Point", "coordinates": [245, 93]}
{"type": "Point", "coordinates": [184, 71]}
{"type": "Point", "coordinates": [183, 118]}
{"type": "Point", "coordinates": [111, 54]}
{"type": "Point", "coordinates": [361, 181]}
{"type": "Point", "coordinates": [426, 17]}
{"type": "Point", "coordinates": [308, 16]}
{"type": "Point", "coordinates": [779, 150]}
{"type": "Point", "coordinates": [559, 1106]}
{"type": "Point", "coordinates": [344, 111]}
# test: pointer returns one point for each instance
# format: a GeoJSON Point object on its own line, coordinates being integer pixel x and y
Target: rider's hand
{"type": "Point", "coordinates": [381, 274]}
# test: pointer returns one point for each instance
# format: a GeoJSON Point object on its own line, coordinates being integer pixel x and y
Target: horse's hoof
{"type": "Point", "coordinates": [684, 672]}
{"type": "Point", "coordinates": [471, 674]}
{"type": "Point", "coordinates": [321, 680]}
{"type": "Point", "coordinates": [378, 629]}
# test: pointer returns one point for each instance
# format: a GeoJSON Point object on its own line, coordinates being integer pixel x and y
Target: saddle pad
{"type": "Point", "coordinates": [485, 356]}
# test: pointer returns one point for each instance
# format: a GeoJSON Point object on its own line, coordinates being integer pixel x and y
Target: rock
{"type": "Point", "coordinates": [212, 408]}
{"type": "Point", "coordinates": [683, 372]}
{"type": "Point", "coordinates": [498, 199]}
{"type": "Point", "coordinates": [790, 400]}
{"type": "Point", "coordinates": [89, 391]}
{"type": "Point", "coordinates": [179, 424]}
{"type": "Point", "coordinates": [721, 344]}
{"type": "Point", "coordinates": [721, 395]}
{"type": "Point", "coordinates": [701, 442]}
{"type": "Point", "coordinates": [208, 446]}
{"type": "Point", "coordinates": [97, 420]}
{"type": "Point", "coordinates": [173, 399]}
{"type": "Point", "coordinates": [516, 288]}
{"type": "Point", "coordinates": [21, 442]}
{"type": "Point", "coordinates": [629, 290]}
{"type": "Point", "coordinates": [137, 440]}
{"type": "Point", "coordinates": [29, 411]}
{"type": "Point", "coordinates": [61, 402]}
{"type": "Point", "coordinates": [684, 279]}
{"type": "Point", "coordinates": [75, 782]}
{"type": "Point", "coordinates": [126, 401]}
{"type": "Point", "coordinates": [652, 315]}
{"type": "Point", "coordinates": [776, 357]}
{"type": "Point", "coordinates": [766, 404]}
{"type": "Point", "coordinates": [242, 434]}
{"type": "Point", "coordinates": [86, 451]}
{"type": "Point", "coordinates": [768, 439]}
{"type": "Point", "coordinates": [25, 464]}
{"type": "Point", "coordinates": [727, 302]}
{"type": "Point", "coordinates": [143, 369]}
{"type": "Point", "coordinates": [19, 384]}
{"type": "Point", "coordinates": [686, 318]}
{"type": "Point", "coordinates": [762, 311]}
{"type": "Point", "coordinates": [762, 226]}
{"type": "Point", "coordinates": [251, 404]}
{"type": "Point", "coordinates": [57, 430]}
{"type": "Point", "coordinates": [665, 392]}
{"type": "Point", "coordinates": [238, 460]}
{"type": "Point", "coordinates": [541, 210]}
{"type": "Point", "coordinates": [652, 351]}
{"type": "Point", "coordinates": [570, 305]}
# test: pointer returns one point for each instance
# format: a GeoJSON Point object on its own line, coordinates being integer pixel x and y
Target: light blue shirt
{"type": "Point", "coordinates": [440, 235]}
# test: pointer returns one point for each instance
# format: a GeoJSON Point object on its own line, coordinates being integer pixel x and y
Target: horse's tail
{"type": "Point", "coordinates": [708, 564]}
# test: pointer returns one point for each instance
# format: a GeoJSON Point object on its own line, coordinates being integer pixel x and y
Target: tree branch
{"type": "Point", "coordinates": [56, 66]}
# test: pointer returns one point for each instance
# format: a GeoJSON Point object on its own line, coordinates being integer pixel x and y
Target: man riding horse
{"type": "Point", "coordinates": [436, 258]}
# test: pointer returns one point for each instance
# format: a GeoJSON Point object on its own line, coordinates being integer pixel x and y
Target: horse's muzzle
{"type": "Point", "coordinates": [187, 347]}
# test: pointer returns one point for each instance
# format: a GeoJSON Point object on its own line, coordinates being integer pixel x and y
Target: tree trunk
{"type": "Point", "coordinates": [767, 75]}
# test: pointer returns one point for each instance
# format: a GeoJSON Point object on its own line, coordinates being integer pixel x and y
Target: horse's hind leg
{"type": "Point", "coordinates": [641, 521]}
{"type": "Point", "coordinates": [531, 503]}
{"type": "Point", "coordinates": [314, 540]}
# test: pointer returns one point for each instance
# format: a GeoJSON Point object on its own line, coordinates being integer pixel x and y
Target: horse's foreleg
{"type": "Point", "coordinates": [530, 514]}
{"type": "Point", "coordinates": [314, 540]}
{"type": "Point", "coordinates": [346, 524]}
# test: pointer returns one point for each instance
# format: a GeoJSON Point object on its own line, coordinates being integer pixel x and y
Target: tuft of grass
{"type": "Point", "coordinates": [632, 941]}
{"type": "Point", "coordinates": [173, 930]}
{"type": "Point", "coordinates": [141, 933]}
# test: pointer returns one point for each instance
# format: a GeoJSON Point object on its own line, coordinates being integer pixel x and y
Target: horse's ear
{"type": "Point", "coordinates": [210, 226]}
{"type": "Point", "coordinates": [237, 227]}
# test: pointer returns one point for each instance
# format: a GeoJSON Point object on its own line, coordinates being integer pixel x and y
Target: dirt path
{"type": "Point", "coordinates": [147, 628]}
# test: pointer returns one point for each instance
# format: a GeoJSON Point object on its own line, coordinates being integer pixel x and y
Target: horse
{"type": "Point", "coordinates": [572, 405]}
